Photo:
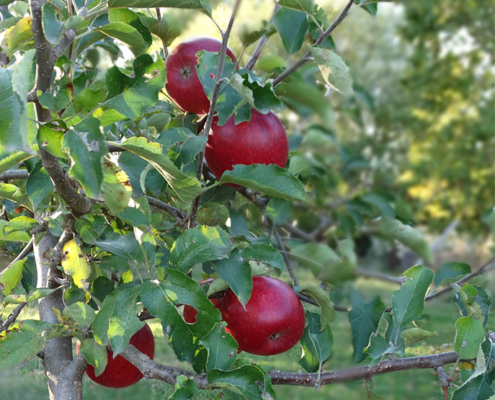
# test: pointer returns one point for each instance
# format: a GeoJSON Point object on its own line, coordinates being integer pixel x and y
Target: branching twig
{"type": "Point", "coordinates": [319, 41]}
{"type": "Point", "coordinates": [444, 380]}
{"type": "Point", "coordinates": [261, 43]}
{"type": "Point", "coordinates": [174, 212]}
{"type": "Point", "coordinates": [153, 370]}
{"type": "Point", "coordinates": [487, 267]}
{"type": "Point", "coordinates": [213, 103]}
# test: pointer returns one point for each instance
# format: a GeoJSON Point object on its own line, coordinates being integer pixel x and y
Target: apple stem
{"type": "Point", "coordinates": [288, 264]}
{"type": "Point", "coordinates": [213, 103]}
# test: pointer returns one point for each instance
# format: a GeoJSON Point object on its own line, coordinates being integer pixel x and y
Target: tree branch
{"type": "Point", "coordinates": [261, 44]}
{"type": "Point", "coordinates": [153, 370]}
{"type": "Point", "coordinates": [487, 267]}
{"type": "Point", "coordinates": [213, 103]}
{"type": "Point", "coordinates": [320, 40]}
{"type": "Point", "coordinates": [174, 212]}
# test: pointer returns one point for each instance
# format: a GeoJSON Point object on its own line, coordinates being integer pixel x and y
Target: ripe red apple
{"type": "Point", "coordinates": [273, 321]}
{"type": "Point", "coordinates": [183, 84]}
{"type": "Point", "coordinates": [119, 372]}
{"type": "Point", "coordinates": [262, 140]}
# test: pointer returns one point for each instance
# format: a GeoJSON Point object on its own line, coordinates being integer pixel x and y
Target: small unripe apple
{"type": "Point", "coordinates": [119, 372]}
{"type": "Point", "coordinates": [262, 140]}
{"type": "Point", "coordinates": [273, 321]}
{"type": "Point", "coordinates": [183, 84]}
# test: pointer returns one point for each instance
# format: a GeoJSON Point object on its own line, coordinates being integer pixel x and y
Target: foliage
{"type": "Point", "coordinates": [118, 140]}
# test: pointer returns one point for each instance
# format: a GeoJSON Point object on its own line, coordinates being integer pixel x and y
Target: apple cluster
{"type": "Point", "coordinates": [261, 140]}
{"type": "Point", "coordinates": [272, 321]}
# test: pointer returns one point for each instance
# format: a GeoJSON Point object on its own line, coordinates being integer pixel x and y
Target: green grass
{"type": "Point", "coordinates": [28, 382]}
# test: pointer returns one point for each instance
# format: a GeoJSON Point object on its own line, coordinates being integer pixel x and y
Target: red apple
{"type": "Point", "coordinates": [183, 84]}
{"type": "Point", "coordinates": [273, 321]}
{"type": "Point", "coordinates": [119, 372]}
{"type": "Point", "coordinates": [262, 140]}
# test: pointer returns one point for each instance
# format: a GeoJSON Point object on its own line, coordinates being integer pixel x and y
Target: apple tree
{"type": "Point", "coordinates": [196, 186]}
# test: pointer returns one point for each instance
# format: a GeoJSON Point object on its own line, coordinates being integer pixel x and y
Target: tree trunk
{"type": "Point", "coordinates": [63, 382]}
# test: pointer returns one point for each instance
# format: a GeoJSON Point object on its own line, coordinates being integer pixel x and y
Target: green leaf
{"type": "Point", "coordinates": [364, 318]}
{"type": "Point", "coordinates": [416, 334]}
{"type": "Point", "coordinates": [52, 27]}
{"type": "Point", "coordinates": [197, 245]}
{"type": "Point", "coordinates": [246, 381]}
{"type": "Point", "coordinates": [11, 277]}
{"type": "Point", "coordinates": [451, 272]}
{"type": "Point", "coordinates": [75, 264]}
{"type": "Point", "coordinates": [10, 159]}
{"type": "Point", "coordinates": [212, 214]}
{"type": "Point", "coordinates": [14, 194]}
{"type": "Point", "coordinates": [475, 389]}
{"type": "Point", "coordinates": [95, 354]}
{"type": "Point", "coordinates": [117, 320]}
{"type": "Point", "coordinates": [20, 344]}
{"type": "Point", "coordinates": [87, 172]}
{"type": "Point", "coordinates": [378, 347]}
{"type": "Point", "coordinates": [292, 26]}
{"type": "Point", "coordinates": [127, 34]}
{"type": "Point", "coordinates": [130, 96]}
{"type": "Point", "coordinates": [409, 301]}
{"type": "Point", "coordinates": [236, 271]}
{"type": "Point", "coordinates": [116, 188]}
{"type": "Point", "coordinates": [381, 202]}
{"type": "Point", "coordinates": [407, 235]}
{"type": "Point", "coordinates": [186, 187]}
{"type": "Point", "coordinates": [13, 112]}
{"type": "Point", "coordinates": [266, 254]}
{"type": "Point", "coordinates": [269, 179]}
{"type": "Point", "coordinates": [334, 70]}
{"type": "Point", "coordinates": [38, 186]}
{"type": "Point", "coordinates": [202, 5]}
{"type": "Point", "coordinates": [50, 138]}
{"type": "Point", "coordinates": [324, 262]}
{"type": "Point", "coordinates": [279, 211]}
{"type": "Point", "coordinates": [167, 28]}
{"type": "Point", "coordinates": [323, 300]}
{"type": "Point", "coordinates": [161, 299]}
{"type": "Point", "coordinates": [469, 334]}
{"type": "Point", "coordinates": [7, 234]}
{"type": "Point", "coordinates": [306, 99]}
{"type": "Point", "coordinates": [248, 36]}
{"type": "Point", "coordinates": [81, 313]}
{"type": "Point", "coordinates": [130, 17]}
{"type": "Point", "coordinates": [126, 247]}
{"type": "Point", "coordinates": [222, 348]}
{"type": "Point", "coordinates": [317, 342]}
{"type": "Point", "coordinates": [33, 295]}
{"type": "Point", "coordinates": [307, 6]}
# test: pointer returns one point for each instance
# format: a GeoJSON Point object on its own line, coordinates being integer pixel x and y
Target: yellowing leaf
{"type": "Point", "coordinates": [75, 264]}
{"type": "Point", "coordinates": [17, 34]}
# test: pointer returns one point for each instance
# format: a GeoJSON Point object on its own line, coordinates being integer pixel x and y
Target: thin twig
{"type": "Point", "coordinates": [24, 252]}
{"type": "Point", "coordinates": [319, 41]}
{"type": "Point", "coordinates": [286, 257]}
{"type": "Point", "coordinates": [382, 277]}
{"type": "Point", "coordinates": [174, 212]}
{"type": "Point", "coordinates": [12, 317]}
{"type": "Point", "coordinates": [487, 267]}
{"type": "Point", "coordinates": [444, 380]}
{"type": "Point", "coordinates": [159, 17]}
{"type": "Point", "coordinates": [261, 43]}
{"type": "Point", "coordinates": [213, 103]}
{"type": "Point", "coordinates": [14, 174]}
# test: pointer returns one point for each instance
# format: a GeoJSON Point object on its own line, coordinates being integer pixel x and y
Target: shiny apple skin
{"type": "Point", "coordinates": [262, 140]}
{"type": "Point", "coordinates": [273, 321]}
{"type": "Point", "coordinates": [119, 372]}
{"type": "Point", "coordinates": [182, 82]}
